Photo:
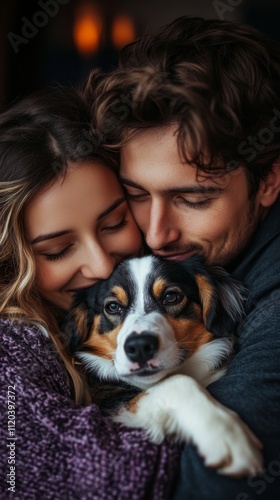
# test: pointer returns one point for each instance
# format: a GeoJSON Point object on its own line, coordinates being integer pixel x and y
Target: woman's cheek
{"type": "Point", "coordinates": [132, 242]}
{"type": "Point", "coordinates": [48, 277]}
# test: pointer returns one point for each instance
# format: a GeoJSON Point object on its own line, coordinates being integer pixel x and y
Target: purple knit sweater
{"type": "Point", "coordinates": [61, 450]}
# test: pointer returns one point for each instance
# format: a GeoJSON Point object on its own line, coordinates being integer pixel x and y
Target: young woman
{"type": "Point", "coordinates": [64, 224]}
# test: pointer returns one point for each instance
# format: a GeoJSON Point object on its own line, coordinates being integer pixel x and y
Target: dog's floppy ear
{"type": "Point", "coordinates": [79, 319]}
{"type": "Point", "coordinates": [221, 297]}
{"type": "Point", "coordinates": [222, 301]}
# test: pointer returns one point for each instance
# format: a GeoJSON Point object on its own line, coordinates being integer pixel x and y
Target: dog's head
{"type": "Point", "coordinates": [150, 316]}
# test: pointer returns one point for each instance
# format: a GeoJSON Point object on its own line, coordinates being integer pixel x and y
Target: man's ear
{"type": "Point", "coordinates": [270, 186]}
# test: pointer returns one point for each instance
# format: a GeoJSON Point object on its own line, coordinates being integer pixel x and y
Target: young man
{"type": "Point", "coordinates": [195, 109]}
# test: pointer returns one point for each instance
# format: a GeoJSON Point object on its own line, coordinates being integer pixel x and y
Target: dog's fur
{"type": "Point", "coordinates": [152, 336]}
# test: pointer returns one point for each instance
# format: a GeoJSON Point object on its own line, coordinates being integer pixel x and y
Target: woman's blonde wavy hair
{"type": "Point", "coordinates": [39, 137]}
{"type": "Point", "coordinates": [19, 299]}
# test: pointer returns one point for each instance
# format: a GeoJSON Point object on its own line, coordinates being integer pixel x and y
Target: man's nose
{"type": "Point", "coordinates": [163, 227]}
{"type": "Point", "coordinates": [97, 263]}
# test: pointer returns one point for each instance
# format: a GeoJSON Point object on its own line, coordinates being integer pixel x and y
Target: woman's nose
{"type": "Point", "coordinates": [97, 263]}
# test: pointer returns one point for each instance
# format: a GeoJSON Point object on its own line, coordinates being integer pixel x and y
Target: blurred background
{"type": "Point", "coordinates": [47, 42]}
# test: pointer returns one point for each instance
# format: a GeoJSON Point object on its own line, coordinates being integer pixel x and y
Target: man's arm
{"type": "Point", "coordinates": [251, 387]}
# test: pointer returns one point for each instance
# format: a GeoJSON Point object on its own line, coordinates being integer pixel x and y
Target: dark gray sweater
{"type": "Point", "coordinates": [251, 386]}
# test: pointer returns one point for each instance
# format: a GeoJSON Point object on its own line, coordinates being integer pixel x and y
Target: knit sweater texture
{"type": "Point", "coordinates": [61, 450]}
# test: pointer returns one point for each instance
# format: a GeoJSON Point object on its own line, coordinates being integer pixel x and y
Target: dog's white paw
{"type": "Point", "coordinates": [228, 445]}
{"type": "Point", "coordinates": [179, 407]}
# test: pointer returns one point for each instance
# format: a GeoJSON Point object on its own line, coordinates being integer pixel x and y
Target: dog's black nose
{"type": "Point", "coordinates": [140, 347]}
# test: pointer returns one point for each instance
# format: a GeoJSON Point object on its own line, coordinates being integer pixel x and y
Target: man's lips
{"type": "Point", "coordinates": [176, 256]}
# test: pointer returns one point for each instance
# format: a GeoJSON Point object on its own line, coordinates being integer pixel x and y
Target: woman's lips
{"type": "Point", "coordinates": [78, 289]}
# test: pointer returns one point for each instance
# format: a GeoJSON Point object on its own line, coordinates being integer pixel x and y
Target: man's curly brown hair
{"type": "Point", "coordinates": [217, 81]}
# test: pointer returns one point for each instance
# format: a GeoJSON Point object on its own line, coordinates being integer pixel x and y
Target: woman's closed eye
{"type": "Point", "coordinates": [57, 255]}
{"type": "Point", "coordinates": [52, 256]}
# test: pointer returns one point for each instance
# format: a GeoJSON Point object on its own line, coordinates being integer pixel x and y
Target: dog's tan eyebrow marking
{"type": "Point", "coordinates": [120, 294]}
{"type": "Point", "coordinates": [205, 292]}
{"type": "Point", "coordinates": [189, 333]}
{"type": "Point", "coordinates": [158, 287]}
{"type": "Point", "coordinates": [103, 345]}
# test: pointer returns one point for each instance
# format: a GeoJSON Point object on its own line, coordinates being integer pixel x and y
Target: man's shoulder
{"type": "Point", "coordinates": [262, 306]}
{"type": "Point", "coordinates": [259, 266]}
{"type": "Point", "coordinates": [263, 274]}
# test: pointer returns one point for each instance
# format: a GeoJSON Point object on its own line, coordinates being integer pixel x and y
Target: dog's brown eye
{"type": "Point", "coordinates": [172, 298]}
{"type": "Point", "coordinates": [113, 308]}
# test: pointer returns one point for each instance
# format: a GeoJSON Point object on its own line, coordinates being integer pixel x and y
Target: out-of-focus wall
{"type": "Point", "coordinates": [45, 42]}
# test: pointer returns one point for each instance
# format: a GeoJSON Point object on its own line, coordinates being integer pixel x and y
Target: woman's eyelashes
{"type": "Point", "coordinates": [57, 255]}
{"type": "Point", "coordinates": [54, 256]}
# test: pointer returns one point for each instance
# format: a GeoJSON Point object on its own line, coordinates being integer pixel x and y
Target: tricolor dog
{"type": "Point", "coordinates": [155, 334]}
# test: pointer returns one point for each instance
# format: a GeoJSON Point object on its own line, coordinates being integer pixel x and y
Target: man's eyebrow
{"type": "Point", "coordinates": [51, 236]}
{"type": "Point", "coordinates": [195, 189]}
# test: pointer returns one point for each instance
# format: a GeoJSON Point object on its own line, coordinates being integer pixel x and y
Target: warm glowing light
{"type": "Point", "coordinates": [123, 31]}
{"type": "Point", "coordinates": [87, 29]}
